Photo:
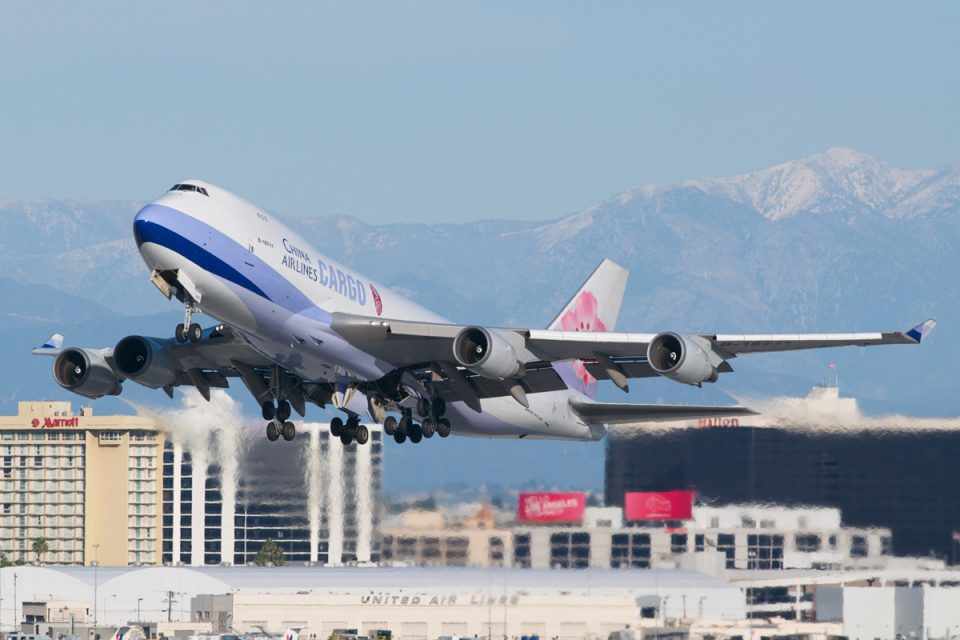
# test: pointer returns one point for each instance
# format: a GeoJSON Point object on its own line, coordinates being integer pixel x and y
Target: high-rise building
{"type": "Point", "coordinates": [897, 473]}
{"type": "Point", "coordinates": [226, 494]}
{"type": "Point", "coordinates": [87, 485]}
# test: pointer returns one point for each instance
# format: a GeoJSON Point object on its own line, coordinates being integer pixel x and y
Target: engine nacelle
{"type": "Point", "coordinates": [686, 359]}
{"type": "Point", "coordinates": [86, 372]}
{"type": "Point", "coordinates": [486, 353]}
{"type": "Point", "coordinates": [145, 360]}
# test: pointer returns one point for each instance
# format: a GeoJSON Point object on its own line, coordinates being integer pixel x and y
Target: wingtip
{"type": "Point", "coordinates": [922, 330]}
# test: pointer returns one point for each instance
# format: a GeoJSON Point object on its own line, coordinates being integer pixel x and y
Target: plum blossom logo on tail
{"type": "Point", "coordinates": [583, 316]}
{"type": "Point", "coordinates": [377, 301]}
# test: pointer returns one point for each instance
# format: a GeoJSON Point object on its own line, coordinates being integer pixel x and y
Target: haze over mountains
{"type": "Point", "coordinates": [835, 241]}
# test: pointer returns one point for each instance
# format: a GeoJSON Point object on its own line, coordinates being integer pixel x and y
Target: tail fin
{"type": "Point", "coordinates": [594, 307]}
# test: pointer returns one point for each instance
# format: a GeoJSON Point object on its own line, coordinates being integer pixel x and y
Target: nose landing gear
{"type": "Point", "coordinates": [188, 330]}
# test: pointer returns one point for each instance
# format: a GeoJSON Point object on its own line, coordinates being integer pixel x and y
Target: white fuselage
{"type": "Point", "coordinates": [257, 275]}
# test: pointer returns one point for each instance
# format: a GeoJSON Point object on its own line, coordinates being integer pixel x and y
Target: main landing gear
{"type": "Point", "coordinates": [433, 422]}
{"type": "Point", "coordinates": [188, 330]}
{"type": "Point", "coordinates": [277, 420]}
{"type": "Point", "coordinates": [349, 431]}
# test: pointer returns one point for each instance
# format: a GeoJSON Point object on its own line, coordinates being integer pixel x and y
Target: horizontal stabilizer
{"type": "Point", "coordinates": [52, 346]}
{"type": "Point", "coordinates": [621, 413]}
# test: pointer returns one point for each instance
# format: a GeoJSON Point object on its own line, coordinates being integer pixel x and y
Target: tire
{"type": "Point", "coordinates": [288, 431]}
{"type": "Point", "coordinates": [429, 427]}
{"type": "Point", "coordinates": [416, 433]}
{"type": "Point", "coordinates": [404, 425]}
{"type": "Point", "coordinates": [336, 427]}
{"type": "Point", "coordinates": [443, 428]}
{"type": "Point", "coordinates": [346, 438]}
{"type": "Point", "coordinates": [362, 434]}
{"type": "Point", "coordinates": [389, 425]}
{"type": "Point", "coordinates": [399, 436]}
{"type": "Point", "coordinates": [439, 407]}
{"type": "Point", "coordinates": [283, 411]}
{"type": "Point", "coordinates": [273, 431]}
{"type": "Point", "coordinates": [268, 410]}
{"type": "Point", "coordinates": [195, 332]}
{"type": "Point", "coordinates": [423, 407]}
{"type": "Point", "coordinates": [180, 333]}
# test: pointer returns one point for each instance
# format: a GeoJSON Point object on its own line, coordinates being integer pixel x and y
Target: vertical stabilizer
{"type": "Point", "coordinates": [594, 307]}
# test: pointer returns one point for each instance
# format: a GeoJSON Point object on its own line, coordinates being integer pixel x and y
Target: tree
{"type": "Point", "coordinates": [40, 547]}
{"type": "Point", "coordinates": [270, 555]}
{"type": "Point", "coordinates": [4, 561]}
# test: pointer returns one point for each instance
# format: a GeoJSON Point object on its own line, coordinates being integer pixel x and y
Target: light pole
{"type": "Point", "coordinates": [96, 585]}
{"type": "Point", "coordinates": [139, 600]}
{"type": "Point", "coordinates": [14, 601]}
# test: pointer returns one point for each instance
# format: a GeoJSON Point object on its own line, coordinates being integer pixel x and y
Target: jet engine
{"type": "Point", "coordinates": [86, 372]}
{"type": "Point", "coordinates": [686, 359]}
{"type": "Point", "coordinates": [486, 353]}
{"type": "Point", "coordinates": [145, 360]}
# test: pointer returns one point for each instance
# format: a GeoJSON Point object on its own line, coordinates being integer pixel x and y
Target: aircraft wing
{"type": "Point", "coordinates": [405, 343]}
{"type": "Point", "coordinates": [620, 413]}
{"type": "Point", "coordinates": [616, 356]}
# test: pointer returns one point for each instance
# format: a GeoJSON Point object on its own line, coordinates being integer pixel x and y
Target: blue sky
{"type": "Point", "coordinates": [454, 111]}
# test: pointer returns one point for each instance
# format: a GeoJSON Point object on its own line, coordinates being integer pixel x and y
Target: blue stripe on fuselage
{"type": "Point", "coordinates": [225, 257]}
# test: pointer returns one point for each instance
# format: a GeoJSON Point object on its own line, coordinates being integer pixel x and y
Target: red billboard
{"type": "Point", "coordinates": [658, 505]}
{"type": "Point", "coordinates": [551, 507]}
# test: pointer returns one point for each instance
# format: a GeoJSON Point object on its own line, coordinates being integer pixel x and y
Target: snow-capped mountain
{"type": "Point", "coordinates": [839, 180]}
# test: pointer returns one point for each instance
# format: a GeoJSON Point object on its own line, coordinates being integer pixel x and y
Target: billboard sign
{"type": "Point", "coordinates": [658, 505]}
{"type": "Point", "coordinates": [540, 507]}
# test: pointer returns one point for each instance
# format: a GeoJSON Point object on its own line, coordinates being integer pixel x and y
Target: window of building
{"type": "Point", "coordinates": [698, 542]}
{"type": "Point", "coordinates": [807, 542]}
{"type": "Point", "coordinates": [570, 550]}
{"type": "Point", "coordinates": [678, 543]}
{"type": "Point", "coordinates": [764, 551]}
{"type": "Point", "coordinates": [726, 544]}
{"type": "Point", "coordinates": [496, 551]}
{"type": "Point", "coordinates": [886, 545]}
{"type": "Point", "coordinates": [858, 547]}
{"type": "Point", "coordinates": [521, 550]}
{"type": "Point", "coordinates": [630, 551]}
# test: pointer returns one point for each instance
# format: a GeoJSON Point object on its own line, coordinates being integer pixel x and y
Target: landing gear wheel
{"type": "Point", "coordinates": [362, 434]}
{"type": "Point", "coordinates": [443, 427]}
{"type": "Point", "coordinates": [336, 427]}
{"type": "Point", "coordinates": [428, 428]}
{"type": "Point", "coordinates": [416, 433]}
{"type": "Point", "coordinates": [439, 407]}
{"type": "Point", "coordinates": [180, 333]}
{"type": "Point", "coordinates": [288, 431]}
{"type": "Point", "coordinates": [283, 410]}
{"type": "Point", "coordinates": [268, 410]}
{"type": "Point", "coordinates": [194, 332]}
{"type": "Point", "coordinates": [273, 431]}
{"type": "Point", "coordinates": [346, 438]}
{"type": "Point", "coordinates": [423, 407]}
{"type": "Point", "coordinates": [399, 436]}
{"type": "Point", "coordinates": [389, 425]}
{"type": "Point", "coordinates": [404, 425]}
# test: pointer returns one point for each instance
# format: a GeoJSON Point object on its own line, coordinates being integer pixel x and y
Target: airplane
{"type": "Point", "coordinates": [297, 327]}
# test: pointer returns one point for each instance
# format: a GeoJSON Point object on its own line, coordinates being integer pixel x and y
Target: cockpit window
{"type": "Point", "coordinates": [190, 187]}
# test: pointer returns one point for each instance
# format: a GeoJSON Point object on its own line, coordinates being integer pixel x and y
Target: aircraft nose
{"type": "Point", "coordinates": [140, 222]}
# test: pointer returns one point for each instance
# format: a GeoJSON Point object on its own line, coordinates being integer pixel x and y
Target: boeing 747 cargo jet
{"type": "Point", "coordinates": [298, 328]}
